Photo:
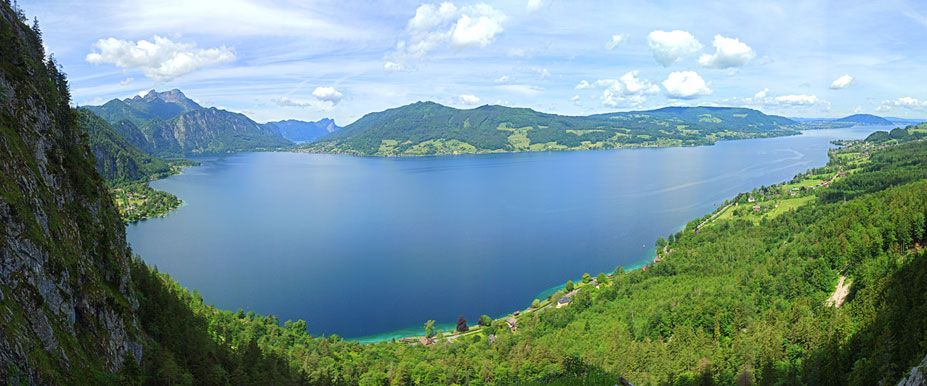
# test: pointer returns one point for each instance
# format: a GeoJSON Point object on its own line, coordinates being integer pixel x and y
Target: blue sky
{"type": "Point", "coordinates": [342, 59]}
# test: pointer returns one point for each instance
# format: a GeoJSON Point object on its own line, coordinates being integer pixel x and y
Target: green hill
{"type": "Point", "coordinates": [141, 109]}
{"type": "Point", "coordinates": [117, 160]}
{"type": "Point", "coordinates": [428, 128]}
{"type": "Point", "coordinates": [864, 119]}
{"type": "Point", "coordinates": [911, 132]}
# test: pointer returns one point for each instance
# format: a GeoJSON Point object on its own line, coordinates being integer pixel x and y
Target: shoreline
{"type": "Point", "coordinates": [482, 152]}
{"type": "Point", "coordinates": [415, 332]}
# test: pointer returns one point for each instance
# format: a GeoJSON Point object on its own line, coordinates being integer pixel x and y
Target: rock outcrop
{"type": "Point", "coordinates": [66, 305]}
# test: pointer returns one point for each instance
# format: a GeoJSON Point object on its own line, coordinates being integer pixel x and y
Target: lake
{"type": "Point", "coordinates": [371, 248]}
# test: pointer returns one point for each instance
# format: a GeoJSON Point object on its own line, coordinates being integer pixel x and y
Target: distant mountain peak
{"type": "Point", "coordinates": [296, 130]}
{"type": "Point", "coordinates": [865, 118]}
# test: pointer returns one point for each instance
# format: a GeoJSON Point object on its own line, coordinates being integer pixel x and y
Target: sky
{"type": "Point", "coordinates": [289, 59]}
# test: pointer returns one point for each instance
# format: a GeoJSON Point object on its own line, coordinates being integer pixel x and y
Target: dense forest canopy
{"type": "Point", "coordinates": [743, 299]}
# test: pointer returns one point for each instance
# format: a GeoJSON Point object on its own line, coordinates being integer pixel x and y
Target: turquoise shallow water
{"type": "Point", "coordinates": [371, 248]}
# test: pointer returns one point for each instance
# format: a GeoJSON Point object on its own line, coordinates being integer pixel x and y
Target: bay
{"type": "Point", "coordinates": [371, 248]}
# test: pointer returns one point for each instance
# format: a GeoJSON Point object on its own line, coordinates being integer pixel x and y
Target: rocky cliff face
{"type": "Point", "coordinates": [66, 306]}
{"type": "Point", "coordinates": [209, 131]}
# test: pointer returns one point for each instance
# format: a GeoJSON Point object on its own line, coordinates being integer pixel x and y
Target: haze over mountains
{"type": "Point", "coordinates": [301, 131]}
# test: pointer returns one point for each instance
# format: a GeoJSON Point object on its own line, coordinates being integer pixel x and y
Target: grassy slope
{"type": "Point", "coordinates": [427, 128]}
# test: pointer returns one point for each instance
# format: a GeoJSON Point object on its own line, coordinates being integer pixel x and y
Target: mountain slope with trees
{"type": "Point", "coordinates": [141, 109]}
{"type": "Point", "coordinates": [428, 128]}
{"type": "Point", "coordinates": [740, 301]}
{"type": "Point", "coordinates": [864, 119]}
{"type": "Point", "coordinates": [170, 125]}
{"type": "Point", "coordinates": [117, 160]}
{"type": "Point", "coordinates": [301, 131]}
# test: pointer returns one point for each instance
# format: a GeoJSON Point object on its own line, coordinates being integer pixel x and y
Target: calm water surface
{"type": "Point", "coordinates": [363, 247]}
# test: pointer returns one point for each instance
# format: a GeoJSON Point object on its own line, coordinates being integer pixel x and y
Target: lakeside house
{"type": "Point", "coordinates": [426, 341]}
{"type": "Point", "coordinates": [512, 322]}
{"type": "Point", "coordinates": [564, 301]}
{"type": "Point", "coordinates": [751, 199]}
{"type": "Point", "coordinates": [516, 313]}
{"type": "Point", "coordinates": [756, 209]}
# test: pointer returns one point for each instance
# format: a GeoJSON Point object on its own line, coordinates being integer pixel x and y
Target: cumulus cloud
{"type": "Point", "coordinates": [393, 66]}
{"type": "Point", "coordinates": [161, 59]}
{"type": "Point", "coordinates": [685, 85]}
{"type": "Point", "coordinates": [616, 40]}
{"type": "Point", "coordinates": [729, 52]}
{"type": "Point", "coordinates": [327, 94]}
{"type": "Point", "coordinates": [841, 82]}
{"type": "Point", "coordinates": [761, 94]}
{"type": "Point", "coordinates": [628, 89]}
{"type": "Point", "coordinates": [445, 25]}
{"type": "Point", "coordinates": [542, 72]}
{"type": "Point", "coordinates": [502, 79]}
{"type": "Point", "coordinates": [126, 81]}
{"type": "Point", "coordinates": [797, 100]}
{"type": "Point", "coordinates": [534, 5]}
{"type": "Point", "coordinates": [669, 47]}
{"type": "Point", "coordinates": [468, 99]}
{"type": "Point", "coordinates": [287, 102]}
{"type": "Point", "coordinates": [905, 102]}
{"type": "Point", "coordinates": [762, 98]}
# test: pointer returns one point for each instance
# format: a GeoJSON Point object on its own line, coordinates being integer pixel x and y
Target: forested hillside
{"type": "Point", "coordinates": [745, 299]}
{"type": "Point", "coordinates": [427, 128]}
{"type": "Point", "coordinates": [170, 125]}
{"type": "Point", "coordinates": [117, 160]}
{"type": "Point", "coordinates": [741, 301]}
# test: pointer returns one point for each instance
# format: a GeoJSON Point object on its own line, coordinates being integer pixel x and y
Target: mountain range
{"type": "Point", "coordinates": [168, 124]}
{"type": "Point", "coordinates": [428, 128]}
{"type": "Point", "coordinates": [302, 131]}
{"type": "Point", "coordinates": [735, 302]}
{"type": "Point", "coordinates": [866, 119]}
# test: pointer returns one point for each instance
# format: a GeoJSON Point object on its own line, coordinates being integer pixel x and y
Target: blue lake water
{"type": "Point", "coordinates": [371, 248]}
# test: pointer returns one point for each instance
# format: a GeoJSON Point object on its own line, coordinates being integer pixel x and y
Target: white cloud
{"type": "Point", "coordinates": [502, 79]}
{"type": "Point", "coordinates": [761, 94]}
{"type": "Point", "coordinates": [428, 16]}
{"type": "Point", "coordinates": [287, 102]}
{"type": "Point", "coordinates": [669, 47]}
{"type": "Point", "coordinates": [468, 99]}
{"type": "Point", "coordinates": [685, 85]}
{"type": "Point", "coordinates": [327, 94]}
{"type": "Point", "coordinates": [905, 102]}
{"type": "Point", "coordinates": [229, 18]}
{"type": "Point", "coordinates": [629, 89]}
{"type": "Point", "coordinates": [126, 81]}
{"type": "Point", "coordinates": [575, 98]}
{"type": "Point", "coordinates": [161, 60]}
{"type": "Point", "coordinates": [477, 26]}
{"type": "Point", "coordinates": [393, 66]}
{"type": "Point", "coordinates": [841, 82]}
{"type": "Point", "coordinates": [729, 52]}
{"type": "Point", "coordinates": [616, 40]}
{"type": "Point", "coordinates": [542, 72]}
{"type": "Point", "coordinates": [446, 25]}
{"type": "Point", "coordinates": [797, 100]}
{"type": "Point", "coordinates": [635, 85]}
{"type": "Point", "coordinates": [534, 5]}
